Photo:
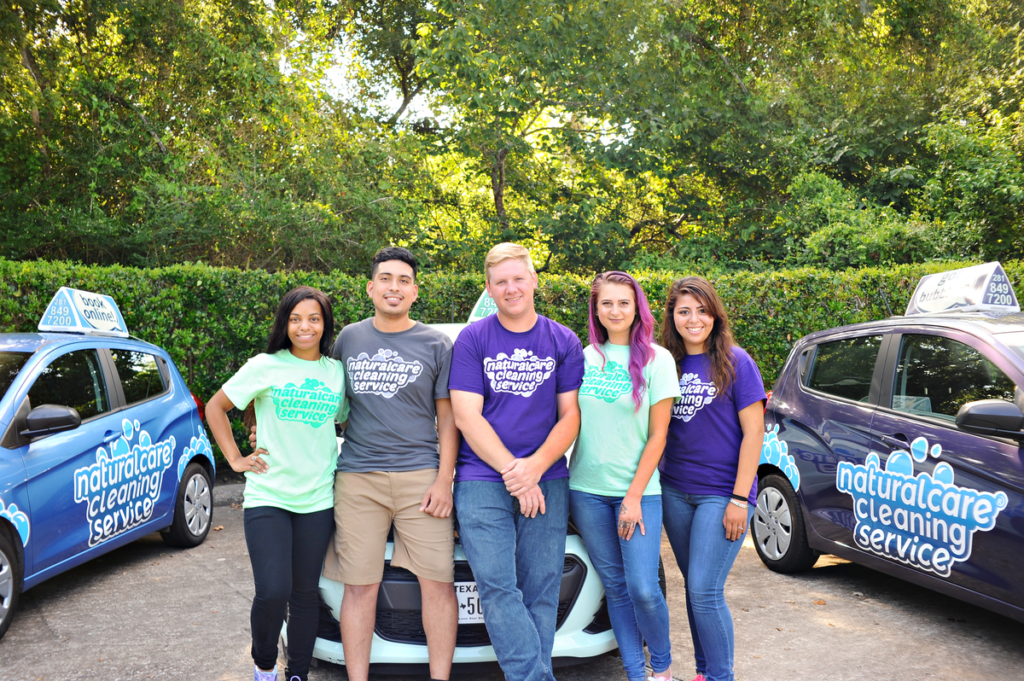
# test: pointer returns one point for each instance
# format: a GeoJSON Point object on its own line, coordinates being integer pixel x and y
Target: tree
{"type": "Point", "coordinates": [527, 88]}
{"type": "Point", "coordinates": [151, 132]}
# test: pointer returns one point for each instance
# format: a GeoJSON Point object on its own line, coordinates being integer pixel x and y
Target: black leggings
{"type": "Point", "coordinates": [287, 552]}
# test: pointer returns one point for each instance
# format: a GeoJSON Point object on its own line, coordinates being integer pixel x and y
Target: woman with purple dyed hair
{"type": "Point", "coordinates": [626, 399]}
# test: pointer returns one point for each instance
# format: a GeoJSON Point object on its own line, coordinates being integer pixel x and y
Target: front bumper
{"type": "Point", "coordinates": [582, 631]}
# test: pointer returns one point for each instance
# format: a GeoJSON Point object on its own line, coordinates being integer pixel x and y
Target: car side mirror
{"type": "Point", "coordinates": [47, 419]}
{"type": "Point", "coordinates": [992, 417]}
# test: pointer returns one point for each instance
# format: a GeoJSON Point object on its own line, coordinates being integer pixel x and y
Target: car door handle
{"type": "Point", "coordinates": [898, 440]}
{"type": "Point", "coordinates": [110, 436]}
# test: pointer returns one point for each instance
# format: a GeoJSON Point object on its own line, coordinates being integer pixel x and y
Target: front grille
{"type": "Point", "coordinates": [398, 605]}
{"type": "Point", "coordinates": [406, 626]}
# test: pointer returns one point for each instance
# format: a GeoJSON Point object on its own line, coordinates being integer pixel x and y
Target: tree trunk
{"type": "Point", "coordinates": [40, 119]}
{"type": "Point", "coordinates": [498, 186]}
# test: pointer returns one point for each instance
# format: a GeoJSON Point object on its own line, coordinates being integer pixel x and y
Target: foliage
{"type": "Point", "coordinates": [212, 319]}
{"type": "Point", "coordinates": [153, 132]}
{"type": "Point", "coordinates": [527, 86]}
{"type": "Point", "coordinates": [759, 93]}
{"type": "Point", "coordinates": [977, 186]}
{"type": "Point", "coordinates": [843, 245]}
{"type": "Point", "coordinates": [826, 225]}
{"type": "Point", "coordinates": [298, 135]}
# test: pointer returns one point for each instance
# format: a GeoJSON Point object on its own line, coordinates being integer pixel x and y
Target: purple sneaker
{"type": "Point", "coordinates": [265, 676]}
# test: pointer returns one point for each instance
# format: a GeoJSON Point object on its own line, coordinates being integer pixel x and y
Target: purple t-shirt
{"type": "Point", "coordinates": [520, 376]}
{"type": "Point", "coordinates": [703, 448]}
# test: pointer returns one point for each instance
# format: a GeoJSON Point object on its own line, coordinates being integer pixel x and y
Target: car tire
{"type": "Point", "coordinates": [193, 509]}
{"type": "Point", "coordinates": [778, 529]}
{"type": "Point", "coordinates": [10, 580]}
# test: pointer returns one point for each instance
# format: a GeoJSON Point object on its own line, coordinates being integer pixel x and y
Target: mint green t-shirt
{"type": "Point", "coordinates": [612, 433]}
{"type": "Point", "coordinates": [297, 403]}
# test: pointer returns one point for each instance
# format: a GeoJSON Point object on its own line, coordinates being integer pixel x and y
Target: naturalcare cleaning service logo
{"type": "Point", "coordinates": [696, 396]}
{"type": "Point", "coordinates": [313, 403]}
{"type": "Point", "coordinates": [383, 374]}
{"type": "Point", "coordinates": [120, 490]}
{"type": "Point", "coordinates": [520, 374]}
{"type": "Point", "coordinates": [609, 385]}
{"type": "Point", "coordinates": [925, 521]}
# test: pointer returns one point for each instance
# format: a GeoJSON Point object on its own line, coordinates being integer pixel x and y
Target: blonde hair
{"type": "Point", "coordinates": [506, 251]}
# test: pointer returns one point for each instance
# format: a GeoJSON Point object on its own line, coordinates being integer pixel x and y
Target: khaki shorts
{"type": "Point", "coordinates": [365, 506]}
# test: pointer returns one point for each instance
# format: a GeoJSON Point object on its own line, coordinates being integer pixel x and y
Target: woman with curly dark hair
{"type": "Point", "coordinates": [709, 469]}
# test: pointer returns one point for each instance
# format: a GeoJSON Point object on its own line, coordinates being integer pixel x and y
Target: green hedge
{"type": "Point", "coordinates": [212, 319]}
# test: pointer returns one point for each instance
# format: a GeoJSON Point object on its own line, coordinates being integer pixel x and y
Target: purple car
{"type": "Point", "coordinates": [896, 444]}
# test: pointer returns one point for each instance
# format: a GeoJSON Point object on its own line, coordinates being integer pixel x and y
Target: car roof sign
{"type": "Point", "coordinates": [75, 311]}
{"type": "Point", "coordinates": [981, 288]}
{"type": "Point", "coordinates": [484, 307]}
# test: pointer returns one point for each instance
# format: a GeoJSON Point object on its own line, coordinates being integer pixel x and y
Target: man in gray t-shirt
{"type": "Point", "coordinates": [395, 466]}
{"type": "Point", "coordinates": [388, 375]}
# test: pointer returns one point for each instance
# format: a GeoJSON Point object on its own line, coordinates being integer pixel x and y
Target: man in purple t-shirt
{"type": "Point", "coordinates": [513, 384]}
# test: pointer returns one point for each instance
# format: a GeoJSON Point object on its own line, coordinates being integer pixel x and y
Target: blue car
{"type": "Point", "coordinates": [896, 444]}
{"type": "Point", "coordinates": [100, 444]}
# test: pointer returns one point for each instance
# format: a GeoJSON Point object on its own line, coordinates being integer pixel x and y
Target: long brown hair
{"type": "Point", "coordinates": [719, 344]}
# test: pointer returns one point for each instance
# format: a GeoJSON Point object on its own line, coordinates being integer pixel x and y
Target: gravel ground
{"type": "Point", "coordinates": [148, 612]}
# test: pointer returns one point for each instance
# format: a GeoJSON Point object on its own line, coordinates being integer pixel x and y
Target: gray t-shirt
{"type": "Point", "coordinates": [391, 381]}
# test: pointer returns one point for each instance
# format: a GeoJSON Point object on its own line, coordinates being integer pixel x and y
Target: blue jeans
{"type": "Point", "coordinates": [519, 597]}
{"type": "Point", "coordinates": [629, 572]}
{"type": "Point", "coordinates": [693, 523]}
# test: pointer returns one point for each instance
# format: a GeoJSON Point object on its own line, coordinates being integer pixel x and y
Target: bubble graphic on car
{"type": "Point", "coordinates": [776, 452]}
{"type": "Point", "coordinates": [19, 519]}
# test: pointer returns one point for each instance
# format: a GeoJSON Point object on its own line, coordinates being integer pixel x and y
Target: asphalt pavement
{"type": "Point", "coordinates": [146, 611]}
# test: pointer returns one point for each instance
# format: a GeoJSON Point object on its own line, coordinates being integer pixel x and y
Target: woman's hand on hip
{"type": "Point", "coordinates": [735, 521]}
{"type": "Point", "coordinates": [630, 515]}
{"type": "Point", "coordinates": [254, 462]}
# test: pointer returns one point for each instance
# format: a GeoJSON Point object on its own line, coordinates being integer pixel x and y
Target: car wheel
{"type": "Point", "coordinates": [193, 509]}
{"type": "Point", "coordinates": [10, 581]}
{"type": "Point", "coordinates": [778, 527]}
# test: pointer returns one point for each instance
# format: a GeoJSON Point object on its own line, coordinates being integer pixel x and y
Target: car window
{"type": "Point", "coordinates": [844, 368]}
{"type": "Point", "coordinates": [73, 380]}
{"type": "Point", "coordinates": [10, 365]}
{"type": "Point", "coordinates": [140, 375]}
{"type": "Point", "coordinates": [935, 376]}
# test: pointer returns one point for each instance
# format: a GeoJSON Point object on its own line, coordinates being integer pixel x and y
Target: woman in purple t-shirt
{"type": "Point", "coordinates": [710, 463]}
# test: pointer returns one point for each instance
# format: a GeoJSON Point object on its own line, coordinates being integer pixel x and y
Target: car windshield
{"type": "Point", "coordinates": [10, 365]}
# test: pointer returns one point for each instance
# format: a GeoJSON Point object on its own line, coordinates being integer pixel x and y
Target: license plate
{"type": "Point", "coordinates": [469, 603]}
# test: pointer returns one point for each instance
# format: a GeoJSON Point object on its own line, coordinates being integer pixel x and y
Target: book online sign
{"type": "Point", "coordinates": [75, 311]}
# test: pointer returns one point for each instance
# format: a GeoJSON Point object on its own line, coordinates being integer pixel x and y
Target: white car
{"type": "Point", "coordinates": [583, 630]}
